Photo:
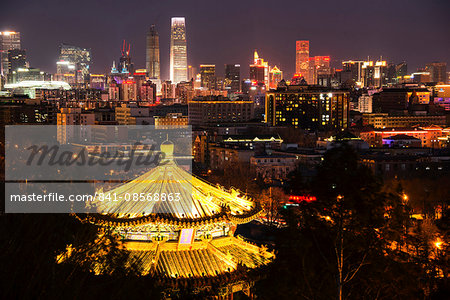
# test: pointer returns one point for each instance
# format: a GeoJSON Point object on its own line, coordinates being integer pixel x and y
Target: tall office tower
{"type": "Point", "coordinates": [401, 69]}
{"type": "Point", "coordinates": [275, 76]}
{"type": "Point", "coordinates": [354, 68]}
{"type": "Point", "coordinates": [178, 50]}
{"type": "Point", "coordinates": [192, 73]}
{"type": "Point", "coordinates": [208, 76]}
{"type": "Point", "coordinates": [318, 65]}
{"type": "Point", "coordinates": [9, 40]}
{"type": "Point", "coordinates": [259, 70]}
{"type": "Point", "coordinates": [438, 71]}
{"type": "Point", "coordinates": [302, 59]}
{"type": "Point", "coordinates": [233, 77]}
{"type": "Point", "coordinates": [74, 60]}
{"type": "Point", "coordinates": [374, 74]}
{"type": "Point", "coordinates": [16, 59]}
{"type": "Point", "coordinates": [152, 60]}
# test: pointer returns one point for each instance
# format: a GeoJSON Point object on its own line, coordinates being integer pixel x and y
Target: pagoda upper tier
{"type": "Point", "coordinates": [182, 198]}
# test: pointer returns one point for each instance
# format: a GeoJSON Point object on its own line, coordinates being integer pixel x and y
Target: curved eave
{"type": "Point", "coordinates": [165, 219]}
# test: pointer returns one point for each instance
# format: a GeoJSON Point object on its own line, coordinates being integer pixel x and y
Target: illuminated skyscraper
{"type": "Point", "coordinates": [302, 59]}
{"type": "Point", "coordinates": [208, 76]}
{"type": "Point", "coordinates": [233, 77]}
{"type": "Point", "coordinates": [259, 70]}
{"type": "Point", "coordinates": [318, 65]}
{"type": "Point", "coordinates": [9, 40]}
{"type": "Point", "coordinates": [74, 60]}
{"type": "Point", "coordinates": [178, 50]}
{"type": "Point", "coordinates": [374, 74]}
{"type": "Point", "coordinates": [152, 60]}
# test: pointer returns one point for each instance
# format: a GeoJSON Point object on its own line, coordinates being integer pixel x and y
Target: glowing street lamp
{"type": "Point", "coordinates": [438, 244]}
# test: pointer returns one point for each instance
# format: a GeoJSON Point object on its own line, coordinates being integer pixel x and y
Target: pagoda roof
{"type": "Point", "coordinates": [200, 202]}
{"type": "Point", "coordinates": [200, 259]}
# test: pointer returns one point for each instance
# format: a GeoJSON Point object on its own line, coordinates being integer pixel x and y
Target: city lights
{"type": "Point", "coordinates": [238, 150]}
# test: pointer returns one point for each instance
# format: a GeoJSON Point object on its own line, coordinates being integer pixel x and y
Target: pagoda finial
{"type": "Point", "coordinates": [167, 147]}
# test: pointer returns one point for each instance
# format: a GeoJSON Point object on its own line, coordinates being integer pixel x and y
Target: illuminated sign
{"type": "Point", "coordinates": [306, 198]}
{"type": "Point", "coordinates": [186, 236]}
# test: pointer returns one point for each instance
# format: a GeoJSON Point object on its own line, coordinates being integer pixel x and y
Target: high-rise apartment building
{"type": "Point", "coordinates": [152, 54]}
{"type": "Point", "coordinates": [178, 50]}
{"type": "Point", "coordinates": [233, 77]}
{"type": "Point", "coordinates": [9, 40]}
{"type": "Point", "coordinates": [307, 107]}
{"type": "Point", "coordinates": [438, 71]}
{"type": "Point", "coordinates": [208, 76]}
{"type": "Point", "coordinates": [302, 59]}
{"type": "Point", "coordinates": [74, 60]}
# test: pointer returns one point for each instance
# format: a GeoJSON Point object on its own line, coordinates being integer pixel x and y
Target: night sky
{"type": "Point", "coordinates": [220, 32]}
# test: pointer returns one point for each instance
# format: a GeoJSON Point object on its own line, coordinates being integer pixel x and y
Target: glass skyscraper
{"type": "Point", "coordinates": [152, 54]}
{"type": "Point", "coordinates": [178, 50]}
{"type": "Point", "coordinates": [9, 40]}
{"type": "Point", "coordinates": [74, 60]}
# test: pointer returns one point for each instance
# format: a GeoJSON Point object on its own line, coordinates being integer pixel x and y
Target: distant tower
{"type": "Point", "coordinates": [74, 60]}
{"type": "Point", "coordinates": [178, 50]}
{"type": "Point", "coordinates": [233, 77]}
{"type": "Point", "coordinates": [125, 64]}
{"type": "Point", "coordinates": [438, 72]}
{"type": "Point", "coordinates": [259, 70]}
{"type": "Point", "coordinates": [9, 40]}
{"type": "Point", "coordinates": [208, 76]}
{"type": "Point", "coordinates": [152, 60]}
{"type": "Point", "coordinates": [302, 59]}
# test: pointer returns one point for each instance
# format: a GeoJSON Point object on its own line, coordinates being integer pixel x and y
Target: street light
{"type": "Point", "coordinates": [438, 244]}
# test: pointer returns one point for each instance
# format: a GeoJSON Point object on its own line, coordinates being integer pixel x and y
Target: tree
{"type": "Point", "coordinates": [272, 200]}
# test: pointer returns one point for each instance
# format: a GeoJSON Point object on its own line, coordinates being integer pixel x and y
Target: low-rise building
{"type": "Point", "coordinates": [133, 115]}
{"type": "Point", "coordinates": [401, 141]}
{"type": "Point", "coordinates": [171, 119]}
{"type": "Point", "coordinates": [274, 166]}
{"type": "Point", "coordinates": [431, 137]}
{"type": "Point", "coordinates": [384, 120]}
{"type": "Point", "coordinates": [216, 110]}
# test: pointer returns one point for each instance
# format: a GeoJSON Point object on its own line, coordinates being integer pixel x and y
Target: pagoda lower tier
{"type": "Point", "coordinates": [198, 259]}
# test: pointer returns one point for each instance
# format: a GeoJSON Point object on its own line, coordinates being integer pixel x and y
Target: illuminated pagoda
{"type": "Point", "coordinates": [191, 239]}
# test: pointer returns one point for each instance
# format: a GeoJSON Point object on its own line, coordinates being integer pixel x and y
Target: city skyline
{"type": "Point", "coordinates": [225, 42]}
